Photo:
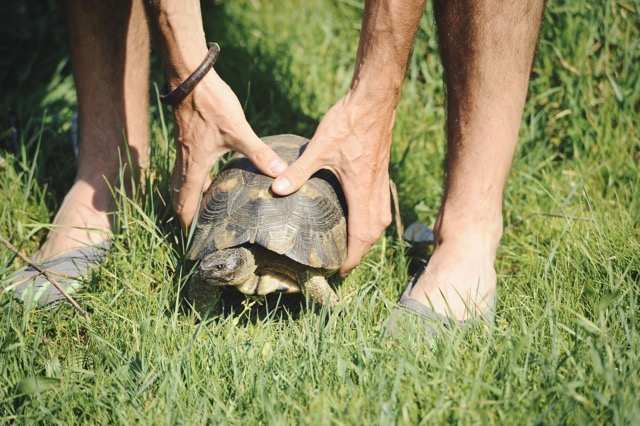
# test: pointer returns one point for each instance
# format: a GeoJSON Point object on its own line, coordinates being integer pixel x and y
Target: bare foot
{"type": "Point", "coordinates": [83, 219]}
{"type": "Point", "coordinates": [460, 280]}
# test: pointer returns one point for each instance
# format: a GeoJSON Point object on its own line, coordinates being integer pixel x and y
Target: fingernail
{"type": "Point", "coordinates": [277, 166]}
{"type": "Point", "coordinates": [281, 184]}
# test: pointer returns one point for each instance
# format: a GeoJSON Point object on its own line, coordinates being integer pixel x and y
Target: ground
{"type": "Point", "coordinates": [566, 342]}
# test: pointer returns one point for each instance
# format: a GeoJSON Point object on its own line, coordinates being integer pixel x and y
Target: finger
{"type": "Point", "coordinates": [360, 235]}
{"type": "Point", "coordinates": [261, 155]}
{"type": "Point", "coordinates": [296, 174]}
{"type": "Point", "coordinates": [385, 202]}
{"type": "Point", "coordinates": [186, 192]}
{"type": "Point", "coordinates": [359, 242]}
{"type": "Point", "coordinates": [368, 218]}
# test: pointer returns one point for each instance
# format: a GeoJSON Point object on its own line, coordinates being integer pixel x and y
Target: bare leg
{"type": "Point", "coordinates": [110, 57]}
{"type": "Point", "coordinates": [487, 48]}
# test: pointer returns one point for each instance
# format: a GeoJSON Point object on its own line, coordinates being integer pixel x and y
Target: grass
{"type": "Point", "coordinates": [565, 346]}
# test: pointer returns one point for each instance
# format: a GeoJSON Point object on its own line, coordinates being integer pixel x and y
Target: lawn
{"type": "Point", "coordinates": [565, 346]}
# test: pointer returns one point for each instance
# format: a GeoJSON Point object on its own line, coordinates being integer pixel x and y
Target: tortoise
{"type": "Point", "coordinates": [260, 243]}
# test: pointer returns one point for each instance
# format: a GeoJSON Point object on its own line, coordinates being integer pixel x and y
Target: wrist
{"type": "Point", "coordinates": [373, 99]}
{"type": "Point", "coordinates": [179, 63]}
{"type": "Point", "coordinates": [374, 92]}
{"type": "Point", "coordinates": [184, 89]}
{"type": "Point", "coordinates": [380, 83]}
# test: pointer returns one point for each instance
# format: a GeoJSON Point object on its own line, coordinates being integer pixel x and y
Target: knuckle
{"type": "Point", "coordinates": [262, 154]}
{"type": "Point", "coordinates": [348, 266]}
{"type": "Point", "coordinates": [366, 237]}
{"type": "Point", "coordinates": [177, 206]}
{"type": "Point", "coordinates": [297, 172]}
{"type": "Point", "coordinates": [386, 219]}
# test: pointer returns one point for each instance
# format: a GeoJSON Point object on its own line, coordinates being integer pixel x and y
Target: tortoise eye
{"type": "Point", "coordinates": [220, 267]}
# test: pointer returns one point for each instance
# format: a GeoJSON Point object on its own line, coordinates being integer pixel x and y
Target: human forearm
{"type": "Point", "coordinates": [209, 121]}
{"type": "Point", "coordinates": [388, 30]}
{"type": "Point", "coordinates": [353, 139]}
{"type": "Point", "coordinates": [178, 24]}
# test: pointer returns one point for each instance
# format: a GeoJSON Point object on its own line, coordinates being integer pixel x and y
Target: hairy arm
{"type": "Point", "coordinates": [210, 121]}
{"type": "Point", "coordinates": [353, 139]}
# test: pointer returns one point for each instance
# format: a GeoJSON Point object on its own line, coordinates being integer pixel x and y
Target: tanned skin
{"type": "Point", "coordinates": [109, 44]}
{"type": "Point", "coordinates": [487, 48]}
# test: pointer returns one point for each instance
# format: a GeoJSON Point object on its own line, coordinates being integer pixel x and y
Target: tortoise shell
{"type": "Point", "coordinates": [308, 226]}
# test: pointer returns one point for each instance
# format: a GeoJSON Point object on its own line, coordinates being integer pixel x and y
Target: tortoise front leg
{"type": "Point", "coordinates": [318, 289]}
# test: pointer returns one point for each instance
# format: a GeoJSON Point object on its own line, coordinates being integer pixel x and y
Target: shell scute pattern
{"type": "Point", "coordinates": [308, 226]}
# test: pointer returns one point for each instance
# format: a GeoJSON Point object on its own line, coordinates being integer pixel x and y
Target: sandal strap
{"type": "Point", "coordinates": [178, 94]}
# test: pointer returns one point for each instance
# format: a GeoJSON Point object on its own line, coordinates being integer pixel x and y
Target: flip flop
{"type": "Point", "coordinates": [68, 269]}
{"type": "Point", "coordinates": [409, 309]}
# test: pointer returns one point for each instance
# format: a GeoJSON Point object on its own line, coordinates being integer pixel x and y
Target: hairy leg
{"type": "Point", "coordinates": [110, 58]}
{"type": "Point", "coordinates": [487, 48]}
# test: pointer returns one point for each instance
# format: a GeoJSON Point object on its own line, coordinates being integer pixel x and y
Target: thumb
{"type": "Point", "coordinates": [261, 155]}
{"type": "Point", "coordinates": [295, 175]}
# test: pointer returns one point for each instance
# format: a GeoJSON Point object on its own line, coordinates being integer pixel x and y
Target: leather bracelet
{"type": "Point", "coordinates": [178, 94]}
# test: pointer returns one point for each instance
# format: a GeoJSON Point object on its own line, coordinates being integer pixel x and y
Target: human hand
{"type": "Point", "coordinates": [209, 123]}
{"type": "Point", "coordinates": [353, 140]}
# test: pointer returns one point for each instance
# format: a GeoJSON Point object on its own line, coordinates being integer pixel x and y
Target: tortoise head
{"type": "Point", "coordinates": [232, 266]}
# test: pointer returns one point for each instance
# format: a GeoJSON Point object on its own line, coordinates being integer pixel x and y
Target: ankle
{"type": "Point", "coordinates": [93, 196]}
{"type": "Point", "coordinates": [487, 235]}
